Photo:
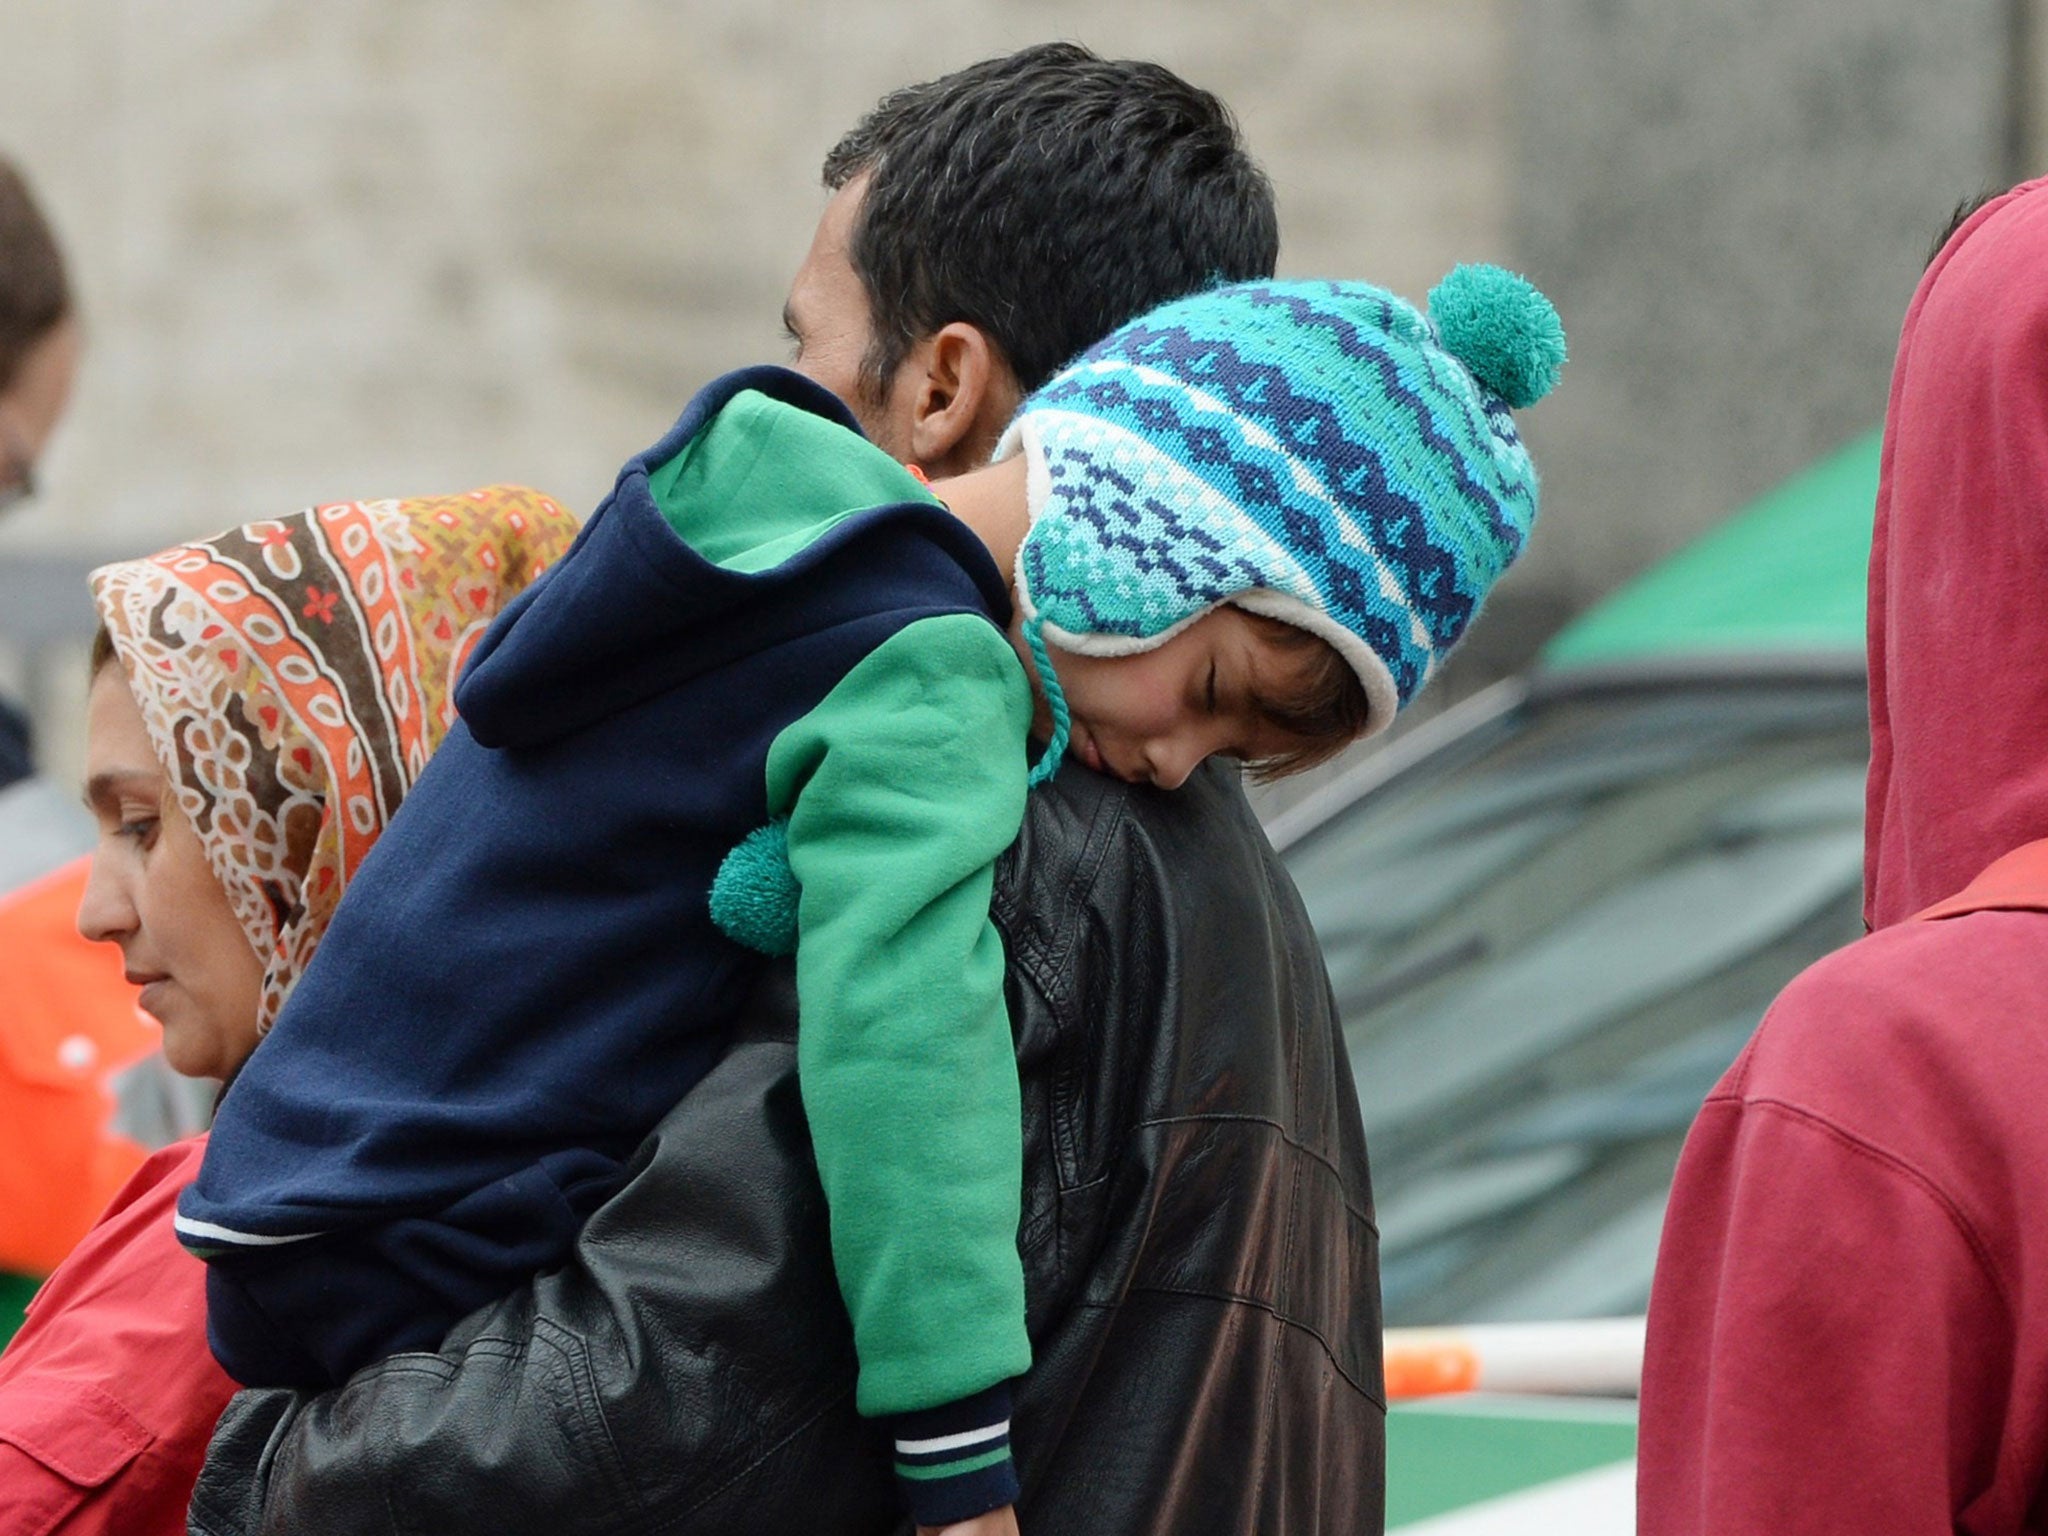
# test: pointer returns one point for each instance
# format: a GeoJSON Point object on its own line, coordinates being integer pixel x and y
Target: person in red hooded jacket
{"type": "Point", "coordinates": [1848, 1331]}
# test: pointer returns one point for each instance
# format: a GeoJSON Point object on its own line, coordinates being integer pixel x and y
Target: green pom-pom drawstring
{"type": "Point", "coordinates": [755, 893]}
{"type": "Point", "coordinates": [1048, 762]}
{"type": "Point", "coordinates": [1499, 325]}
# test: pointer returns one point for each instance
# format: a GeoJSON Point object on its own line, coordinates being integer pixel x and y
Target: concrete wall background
{"type": "Point", "coordinates": [408, 245]}
{"type": "Point", "coordinates": [398, 246]}
{"type": "Point", "coordinates": [1730, 202]}
{"type": "Point", "coordinates": [394, 246]}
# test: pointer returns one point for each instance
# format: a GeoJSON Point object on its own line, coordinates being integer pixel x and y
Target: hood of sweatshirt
{"type": "Point", "coordinates": [631, 611]}
{"type": "Point", "coordinates": [1959, 569]}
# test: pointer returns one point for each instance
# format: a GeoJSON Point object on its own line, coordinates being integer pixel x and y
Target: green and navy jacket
{"type": "Point", "coordinates": [768, 618]}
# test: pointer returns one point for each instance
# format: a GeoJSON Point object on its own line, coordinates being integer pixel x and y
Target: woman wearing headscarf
{"type": "Point", "coordinates": [261, 703]}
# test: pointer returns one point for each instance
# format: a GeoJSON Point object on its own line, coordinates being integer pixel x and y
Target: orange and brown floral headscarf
{"type": "Point", "coordinates": [296, 674]}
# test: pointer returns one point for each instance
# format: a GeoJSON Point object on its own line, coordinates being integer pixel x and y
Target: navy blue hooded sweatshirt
{"type": "Point", "coordinates": [524, 977]}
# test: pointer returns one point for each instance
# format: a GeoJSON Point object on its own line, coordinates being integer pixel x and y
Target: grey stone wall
{"type": "Point", "coordinates": [391, 245]}
{"type": "Point", "coordinates": [394, 246]}
{"type": "Point", "coordinates": [405, 245]}
{"type": "Point", "coordinates": [1730, 201]}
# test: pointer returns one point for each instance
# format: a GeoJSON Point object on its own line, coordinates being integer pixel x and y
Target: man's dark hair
{"type": "Point", "coordinates": [34, 295]}
{"type": "Point", "coordinates": [1046, 197]}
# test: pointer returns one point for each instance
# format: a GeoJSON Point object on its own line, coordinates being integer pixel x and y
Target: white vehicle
{"type": "Point", "coordinates": [1553, 916]}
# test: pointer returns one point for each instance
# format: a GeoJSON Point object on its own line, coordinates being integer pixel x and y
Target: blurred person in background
{"type": "Point", "coordinates": [83, 1095]}
{"type": "Point", "coordinates": [248, 738]}
{"type": "Point", "coordinates": [1847, 1333]}
{"type": "Point", "coordinates": [38, 360]}
{"type": "Point", "coordinates": [1200, 1265]}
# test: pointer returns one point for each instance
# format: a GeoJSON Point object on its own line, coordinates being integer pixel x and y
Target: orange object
{"type": "Point", "coordinates": [68, 1024]}
{"type": "Point", "coordinates": [1600, 1355]}
{"type": "Point", "coordinates": [1430, 1367]}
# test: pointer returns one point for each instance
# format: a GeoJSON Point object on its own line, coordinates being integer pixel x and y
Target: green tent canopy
{"type": "Point", "coordinates": [1782, 577]}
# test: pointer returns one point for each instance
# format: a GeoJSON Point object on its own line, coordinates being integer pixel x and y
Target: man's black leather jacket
{"type": "Point", "coordinates": [1198, 1243]}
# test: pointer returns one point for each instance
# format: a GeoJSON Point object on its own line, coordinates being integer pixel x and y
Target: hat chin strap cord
{"type": "Point", "coordinates": [1048, 762]}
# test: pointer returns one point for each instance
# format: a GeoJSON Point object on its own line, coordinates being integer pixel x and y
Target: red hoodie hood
{"type": "Point", "coordinates": [1959, 569]}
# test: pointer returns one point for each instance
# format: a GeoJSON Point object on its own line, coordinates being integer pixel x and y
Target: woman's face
{"type": "Point", "coordinates": [152, 892]}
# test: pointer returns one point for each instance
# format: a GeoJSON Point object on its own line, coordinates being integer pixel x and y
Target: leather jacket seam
{"type": "Point", "coordinates": [574, 1351]}
{"type": "Point", "coordinates": [277, 1451]}
{"type": "Point", "coordinates": [815, 1411]}
{"type": "Point", "coordinates": [1284, 1277]}
{"type": "Point", "coordinates": [1040, 963]}
{"type": "Point", "coordinates": [1229, 1298]}
{"type": "Point", "coordinates": [1048, 971]}
{"type": "Point", "coordinates": [1167, 1122]}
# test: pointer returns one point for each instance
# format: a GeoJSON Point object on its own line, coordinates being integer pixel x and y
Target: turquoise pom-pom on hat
{"type": "Point", "coordinates": [1501, 327]}
{"type": "Point", "coordinates": [1319, 452]}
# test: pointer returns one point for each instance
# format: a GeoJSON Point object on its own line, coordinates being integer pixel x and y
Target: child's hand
{"type": "Point", "coordinates": [997, 1522]}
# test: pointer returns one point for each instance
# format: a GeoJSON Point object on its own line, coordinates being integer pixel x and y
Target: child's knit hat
{"type": "Point", "coordinates": [1319, 452]}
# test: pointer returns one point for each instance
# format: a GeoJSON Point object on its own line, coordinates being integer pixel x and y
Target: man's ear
{"type": "Point", "coordinates": [964, 394]}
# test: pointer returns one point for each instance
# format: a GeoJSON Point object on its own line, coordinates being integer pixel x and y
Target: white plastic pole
{"type": "Point", "coordinates": [1597, 1356]}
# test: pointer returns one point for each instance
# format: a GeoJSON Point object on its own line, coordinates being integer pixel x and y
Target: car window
{"type": "Point", "coordinates": [1548, 941]}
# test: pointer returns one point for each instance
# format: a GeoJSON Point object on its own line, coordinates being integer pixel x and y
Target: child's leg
{"type": "Point", "coordinates": [312, 1313]}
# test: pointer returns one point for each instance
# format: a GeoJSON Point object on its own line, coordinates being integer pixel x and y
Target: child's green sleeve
{"type": "Point", "coordinates": [901, 789]}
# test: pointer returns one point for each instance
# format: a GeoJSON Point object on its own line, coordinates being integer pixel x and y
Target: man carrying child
{"type": "Point", "coordinates": [1317, 520]}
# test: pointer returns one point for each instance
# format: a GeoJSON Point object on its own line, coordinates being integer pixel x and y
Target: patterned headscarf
{"type": "Point", "coordinates": [296, 674]}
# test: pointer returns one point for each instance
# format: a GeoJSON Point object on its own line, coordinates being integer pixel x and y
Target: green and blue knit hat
{"type": "Point", "coordinates": [1319, 452]}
